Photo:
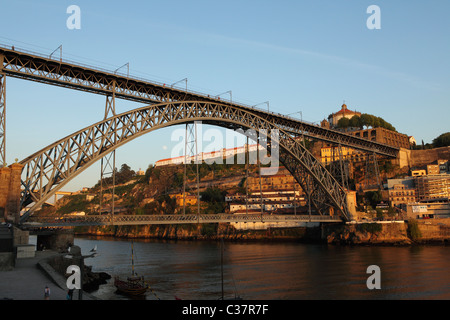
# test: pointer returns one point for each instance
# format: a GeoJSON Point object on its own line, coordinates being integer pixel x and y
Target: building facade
{"type": "Point", "coordinates": [434, 187]}
{"type": "Point", "coordinates": [385, 136]}
{"type": "Point", "coordinates": [400, 194]}
{"type": "Point", "coordinates": [334, 118]}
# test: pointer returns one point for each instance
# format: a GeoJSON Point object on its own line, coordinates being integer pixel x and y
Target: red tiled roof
{"type": "Point", "coordinates": [344, 110]}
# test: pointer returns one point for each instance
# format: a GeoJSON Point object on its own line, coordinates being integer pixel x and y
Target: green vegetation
{"type": "Point", "coordinates": [369, 227]}
{"type": "Point", "coordinates": [413, 230]}
{"type": "Point", "coordinates": [365, 120]}
{"type": "Point", "coordinates": [208, 229]}
{"type": "Point", "coordinates": [373, 197]}
{"type": "Point", "coordinates": [442, 141]}
{"type": "Point", "coordinates": [215, 199]}
{"type": "Point", "coordinates": [77, 203]}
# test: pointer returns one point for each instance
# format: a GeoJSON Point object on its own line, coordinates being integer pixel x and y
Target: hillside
{"type": "Point", "coordinates": [156, 191]}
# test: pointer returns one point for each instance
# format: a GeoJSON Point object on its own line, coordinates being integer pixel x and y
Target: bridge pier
{"type": "Point", "coordinates": [59, 240]}
{"type": "Point", "coordinates": [10, 192]}
{"type": "Point", "coordinates": [351, 204]}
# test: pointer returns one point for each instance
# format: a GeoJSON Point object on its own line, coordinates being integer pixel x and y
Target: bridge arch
{"type": "Point", "coordinates": [49, 169]}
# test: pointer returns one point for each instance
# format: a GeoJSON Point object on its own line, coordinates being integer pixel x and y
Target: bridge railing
{"type": "Point", "coordinates": [122, 74]}
{"type": "Point", "coordinates": [306, 125]}
{"type": "Point", "coordinates": [93, 220]}
{"type": "Point", "coordinates": [141, 79]}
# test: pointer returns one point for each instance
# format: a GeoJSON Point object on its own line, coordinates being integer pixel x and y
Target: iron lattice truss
{"type": "Point", "coordinates": [49, 169]}
{"type": "Point", "coordinates": [101, 220]}
{"type": "Point", "coordinates": [31, 66]}
{"type": "Point", "coordinates": [2, 120]}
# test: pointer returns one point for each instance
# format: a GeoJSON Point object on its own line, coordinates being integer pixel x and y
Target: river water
{"type": "Point", "coordinates": [271, 271]}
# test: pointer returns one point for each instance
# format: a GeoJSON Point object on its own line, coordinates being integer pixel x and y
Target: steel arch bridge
{"type": "Point", "coordinates": [49, 169]}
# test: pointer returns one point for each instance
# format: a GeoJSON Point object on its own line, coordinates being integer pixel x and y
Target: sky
{"type": "Point", "coordinates": [304, 57]}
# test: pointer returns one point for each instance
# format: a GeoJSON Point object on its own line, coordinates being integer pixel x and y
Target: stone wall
{"type": "Point", "coordinates": [417, 158]}
{"type": "Point", "coordinates": [391, 233]}
{"type": "Point", "coordinates": [57, 241]}
{"type": "Point", "coordinates": [367, 233]}
{"type": "Point", "coordinates": [7, 261]}
{"type": "Point", "coordinates": [10, 192]}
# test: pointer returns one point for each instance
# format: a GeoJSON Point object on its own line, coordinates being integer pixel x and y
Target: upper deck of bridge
{"type": "Point", "coordinates": [60, 72]}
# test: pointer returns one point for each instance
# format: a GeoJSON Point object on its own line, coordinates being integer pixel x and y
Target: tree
{"type": "Point", "coordinates": [213, 195]}
{"type": "Point", "coordinates": [355, 121]}
{"type": "Point", "coordinates": [375, 122]}
{"type": "Point", "coordinates": [215, 199]}
{"type": "Point", "coordinates": [373, 197]}
{"type": "Point", "coordinates": [125, 174]}
{"type": "Point", "coordinates": [367, 120]}
{"type": "Point", "coordinates": [442, 141]}
{"type": "Point", "coordinates": [343, 123]}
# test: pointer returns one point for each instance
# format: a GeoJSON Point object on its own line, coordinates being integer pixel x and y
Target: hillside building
{"type": "Point", "coordinates": [400, 194]}
{"type": "Point", "coordinates": [385, 136]}
{"type": "Point", "coordinates": [433, 187]}
{"type": "Point", "coordinates": [334, 118]}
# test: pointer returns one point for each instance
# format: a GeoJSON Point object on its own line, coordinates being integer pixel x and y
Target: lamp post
{"type": "Point", "coordinates": [185, 79]}
{"type": "Point", "coordinates": [301, 115]}
{"type": "Point", "coordinates": [128, 69]}
{"type": "Point", "coordinates": [266, 102]}
{"type": "Point", "coordinates": [231, 98]}
{"type": "Point", "coordinates": [60, 53]}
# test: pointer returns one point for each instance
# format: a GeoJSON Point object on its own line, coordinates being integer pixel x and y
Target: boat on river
{"type": "Point", "coordinates": [134, 285]}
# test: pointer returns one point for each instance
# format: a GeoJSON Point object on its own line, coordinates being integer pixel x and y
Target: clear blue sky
{"type": "Point", "coordinates": [306, 56]}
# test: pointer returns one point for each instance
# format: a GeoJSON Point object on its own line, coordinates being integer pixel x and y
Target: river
{"type": "Point", "coordinates": [272, 271]}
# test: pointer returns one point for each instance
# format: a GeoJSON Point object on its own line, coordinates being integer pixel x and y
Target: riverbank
{"type": "Point", "coordinates": [29, 278]}
{"type": "Point", "coordinates": [436, 231]}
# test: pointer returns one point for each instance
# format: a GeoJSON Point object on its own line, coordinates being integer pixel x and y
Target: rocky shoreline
{"type": "Point", "coordinates": [389, 233]}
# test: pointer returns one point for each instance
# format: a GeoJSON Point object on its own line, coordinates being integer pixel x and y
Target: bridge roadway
{"type": "Point", "coordinates": [107, 220]}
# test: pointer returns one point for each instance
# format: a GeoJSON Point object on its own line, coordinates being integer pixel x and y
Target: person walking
{"type": "Point", "coordinates": [70, 294]}
{"type": "Point", "coordinates": [47, 293]}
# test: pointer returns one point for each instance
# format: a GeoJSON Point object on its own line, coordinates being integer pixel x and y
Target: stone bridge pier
{"type": "Point", "coordinates": [10, 193]}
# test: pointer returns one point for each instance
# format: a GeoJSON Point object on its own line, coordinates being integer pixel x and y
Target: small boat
{"type": "Point", "coordinates": [134, 285]}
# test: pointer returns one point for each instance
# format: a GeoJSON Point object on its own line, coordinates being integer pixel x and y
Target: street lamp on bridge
{"type": "Point", "coordinates": [231, 98]}
{"type": "Point", "coordinates": [301, 114]}
{"type": "Point", "coordinates": [128, 69]}
{"type": "Point", "coordinates": [266, 102]}
{"type": "Point", "coordinates": [185, 79]}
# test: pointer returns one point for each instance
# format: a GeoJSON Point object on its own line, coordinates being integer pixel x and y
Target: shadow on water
{"type": "Point", "coordinates": [191, 270]}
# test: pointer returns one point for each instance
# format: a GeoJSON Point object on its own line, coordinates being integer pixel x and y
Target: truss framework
{"type": "Point", "coordinates": [49, 169]}
{"type": "Point", "coordinates": [2, 120]}
{"type": "Point", "coordinates": [191, 152]}
{"type": "Point", "coordinates": [108, 167]}
{"type": "Point", "coordinates": [40, 68]}
{"type": "Point", "coordinates": [98, 220]}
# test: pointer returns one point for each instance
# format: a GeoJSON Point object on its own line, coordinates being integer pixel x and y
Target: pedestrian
{"type": "Point", "coordinates": [47, 293]}
{"type": "Point", "coordinates": [70, 294]}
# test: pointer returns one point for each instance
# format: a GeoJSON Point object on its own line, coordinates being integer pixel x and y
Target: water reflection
{"type": "Point", "coordinates": [262, 271]}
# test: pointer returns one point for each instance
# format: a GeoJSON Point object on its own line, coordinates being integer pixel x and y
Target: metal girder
{"type": "Point", "coordinates": [108, 165]}
{"type": "Point", "coordinates": [98, 220]}
{"type": "Point", "coordinates": [49, 169]}
{"type": "Point", "coordinates": [2, 120]}
{"type": "Point", "coordinates": [35, 67]}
